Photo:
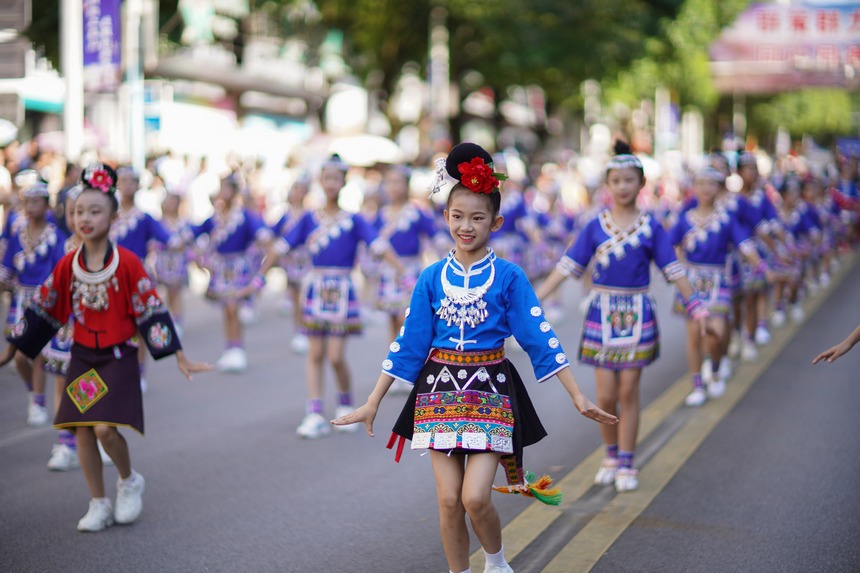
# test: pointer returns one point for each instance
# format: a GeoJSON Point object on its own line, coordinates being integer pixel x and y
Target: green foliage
{"type": "Point", "coordinates": [820, 112]}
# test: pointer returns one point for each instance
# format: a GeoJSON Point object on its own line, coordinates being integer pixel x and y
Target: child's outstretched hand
{"type": "Point", "coordinates": [7, 355]}
{"type": "Point", "coordinates": [587, 408]}
{"type": "Point", "coordinates": [188, 368]}
{"type": "Point", "coordinates": [366, 414]}
{"type": "Point", "coordinates": [833, 353]}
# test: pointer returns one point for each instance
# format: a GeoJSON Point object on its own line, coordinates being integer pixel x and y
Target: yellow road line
{"type": "Point", "coordinates": [592, 542]}
{"type": "Point", "coordinates": [598, 535]}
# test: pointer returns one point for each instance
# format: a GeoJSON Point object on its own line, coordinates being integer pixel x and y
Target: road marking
{"type": "Point", "coordinates": [597, 536]}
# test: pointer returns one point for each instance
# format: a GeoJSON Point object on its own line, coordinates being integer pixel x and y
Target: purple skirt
{"type": "Point", "coordinates": [620, 331]}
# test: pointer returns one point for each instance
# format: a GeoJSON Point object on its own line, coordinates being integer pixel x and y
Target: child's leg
{"type": "Point", "coordinates": [750, 314]}
{"type": "Point", "coordinates": [477, 486]}
{"type": "Point", "coordinates": [295, 292]}
{"type": "Point", "coordinates": [715, 342]}
{"type": "Point", "coordinates": [174, 302]}
{"type": "Point", "coordinates": [607, 400]}
{"type": "Point", "coordinates": [232, 326]}
{"type": "Point", "coordinates": [337, 358]}
{"type": "Point", "coordinates": [91, 460]}
{"type": "Point", "coordinates": [25, 369]}
{"type": "Point", "coordinates": [628, 397]}
{"type": "Point", "coordinates": [116, 447]}
{"type": "Point", "coordinates": [316, 352]}
{"type": "Point", "coordinates": [38, 379]}
{"type": "Point", "coordinates": [694, 347]}
{"type": "Point", "coordinates": [449, 472]}
{"type": "Point", "coordinates": [395, 322]}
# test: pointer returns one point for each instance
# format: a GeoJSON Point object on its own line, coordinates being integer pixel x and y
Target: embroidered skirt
{"type": "Point", "coordinates": [18, 304]}
{"type": "Point", "coordinates": [330, 303]}
{"type": "Point", "coordinates": [620, 331]}
{"type": "Point", "coordinates": [509, 246]}
{"type": "Point", "coordinates": [230, 273]}
{"type": "Point", "coordinates": [468, 403]}
{"type": "Point", "coordinates": [102, 388]}
{"type": "Point", "coordinates": [754, 280]}
{"type": "Point", "coordinates": [711, 285]}
{"type": "Point", "coordinates": [393, 294]}
{"type": "Point", "coordinates": [58, 352]}
{"type": "Point", "coordinates": [171, 268]}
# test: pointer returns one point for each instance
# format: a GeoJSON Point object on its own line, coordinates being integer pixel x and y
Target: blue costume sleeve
{"type": "Point", "coordinates": [297, 236]}
{"type": "Point", "coordinates": [203, 228]}
{"type": "Point", "coordinates": [663, 254]}
{"type": "Point", "coordinates": [408, 353]}
{"type": "Point", "coordinates": [256, 228]}
{"type": "Point", "coordinates": [530, 327]}
{"type": "Point", "coordinates": [155, 231]}
{"type": "Point", "coordinates": [574, 261]}
{"type": "Point", "coordinates": [7, 265]}
{"type": "Point", "coordinates": [676, 233]}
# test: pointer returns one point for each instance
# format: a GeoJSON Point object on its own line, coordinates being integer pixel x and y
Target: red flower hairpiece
{"type": "Point", "coordinates": [98, 178]}
{"type": "Point", "coordinates": [478, 176]}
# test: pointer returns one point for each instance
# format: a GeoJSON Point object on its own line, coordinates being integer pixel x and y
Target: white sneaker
{"type": "Point", "coordinates": [824, 279]}
{"type": "Point", "coordinates": [313, 426]}
{"type": "Point", "coordinates": [63, 458]}
{"type": "Point", "coordinates": [343, 411]}
{"type": "Point", "coordinates": [247, 315]}
{"type": "Point", "coordinates": [762, 336]}
{"type": "Point", "coordinates": [106, 459]}
{"type": "Point", "coordinates": [696, 398]}
{"type": "Point", "coordinates": [606, 474]}
{"type": "Point", "coordinates": [797, 314]}
{"type": "Point", "coordinates": [707, 370]}
{"type": "Point", "coordinates": [749, 353]}
{"type": "Point", "coordinates": [724, 372]}
{"type": "Point", "coordinates": [143, 385]}
{"type": "Point", "coordinates": [300, 344]}
{"type": "Point", "coordinates": [234, 360]}
{"type": "Point", "coordinates": [716, 388]}
{"type": "Point", "coordinates": [734, 348]}
{"type": "Point", "coordinates": [129, 498]}
{"type": "Point", "coordinates": [498, 569]}
{"type": "Point", "coordinates": [180, 330]}
{"type": "Point", "coordinates": [99, 516]}
{"type": "Point", "coordinates": [627, 479]}
{"type": "Point", "coordinates": [36, 415]}
{"type": "Point", "coordinates": [777, 318]}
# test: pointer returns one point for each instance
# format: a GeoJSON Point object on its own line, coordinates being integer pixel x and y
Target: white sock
{"type": "Point", "coordinates": [496, 559]}
{"type": "Point", "coordinates": [469, 570]}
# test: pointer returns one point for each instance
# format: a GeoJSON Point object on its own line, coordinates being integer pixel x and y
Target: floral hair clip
{"type": "Point", "coordinates": [439, 178]}
{"type": "Point", "coordinates": [99, 177]}
{"type": "Point", "coordinates": [478, 176]}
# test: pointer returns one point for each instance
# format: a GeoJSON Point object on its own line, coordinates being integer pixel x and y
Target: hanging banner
{"type": "Point", "coordinates": [102, 48]}
{"type": "Point", "coordinates": [781, 47]}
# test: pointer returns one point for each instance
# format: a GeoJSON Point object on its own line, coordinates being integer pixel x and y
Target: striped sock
{"type": "Point", "coordinates": [625, 459]}
{"type": "Point", "coordinates": [68, 439]}
{"type": "Point", "coordinates": [697, 381]}
{"type": "Point", "coordinates": [314, 406]}
{"type": "Point", "coordinates": [344, 398]}
{"type": "Point", "coordinates": [39, 399]}
{"type": "Point", "coordinates": [612, 451]}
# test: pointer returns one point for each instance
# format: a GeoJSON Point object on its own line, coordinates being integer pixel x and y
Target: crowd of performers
{"type": "Point", "coordinates": [454, 279]}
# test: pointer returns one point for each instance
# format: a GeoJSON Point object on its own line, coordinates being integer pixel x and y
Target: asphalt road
{"type": "Point", "coordinates": [231, 488]}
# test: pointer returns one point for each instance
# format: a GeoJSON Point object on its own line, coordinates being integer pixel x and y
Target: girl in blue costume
{"type": "Point", "coordinates": [35, 245]}
{"type": "Point", "coordinates": [769, 237]}
{"type": "Point", "coordinates": [704, 235]}
{"type": "Point", "coordinates": [225, 238]}
{"type": "Point", "coordinates": [330, 302]}
{"type": "Point", "coordinates": [171, 262]}
{"type": "Point", "coordinates": [803, 235]}
{"type": "Point", "coordinates": [462, 310]}
{"type": "Point", "coordinates": [410, 230]}
{"type": "Point", "coordinates": [620, 335]}
{"type": "Point", "coordinates": [297, 262]}
{"type": "Point", "coordinates": [136, 231]}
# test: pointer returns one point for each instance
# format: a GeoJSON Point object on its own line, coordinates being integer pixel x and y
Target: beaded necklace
{"type": "Point", "coordinates": [90, 289]}
{"type": "Point", "coordinates": [461, 305]}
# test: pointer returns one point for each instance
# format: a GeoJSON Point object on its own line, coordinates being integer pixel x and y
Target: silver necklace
{"type": "Point", "coordinates": [90, 289]}
{"type": "Point", "coordinates": [461, 305]}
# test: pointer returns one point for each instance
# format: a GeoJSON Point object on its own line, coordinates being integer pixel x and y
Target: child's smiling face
{"type": "Point", "coordinates": [470, 221]}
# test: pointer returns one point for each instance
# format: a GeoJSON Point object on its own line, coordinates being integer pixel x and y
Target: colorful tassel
{"type": "Point", "coordinates": [541, 489]}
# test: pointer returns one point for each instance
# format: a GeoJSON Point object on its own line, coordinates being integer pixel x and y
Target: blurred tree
{"type": "Point", "coordinates": [821, 113]}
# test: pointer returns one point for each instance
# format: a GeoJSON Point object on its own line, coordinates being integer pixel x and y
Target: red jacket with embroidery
{"type": "Point", "coordinates": [133, 306]}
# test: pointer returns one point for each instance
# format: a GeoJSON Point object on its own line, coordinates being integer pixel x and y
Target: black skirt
{"type": "Point", "coordinates": [467, 403]}
{"type": "Point", "coordinates": [102, 388]}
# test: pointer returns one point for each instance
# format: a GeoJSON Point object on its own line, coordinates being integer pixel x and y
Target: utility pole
{"type": "Point", "coordinates": [72, 41]}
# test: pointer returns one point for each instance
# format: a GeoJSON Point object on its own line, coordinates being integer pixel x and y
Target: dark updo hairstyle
{"type": "Point", "coordinates": [464, 153]}
{"type": "Point", "coordinates": [100, 177]}
{"type": "Point", "coordinates": [624, 159]}
{"type": "Point", "coordinates": [792, 180]}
